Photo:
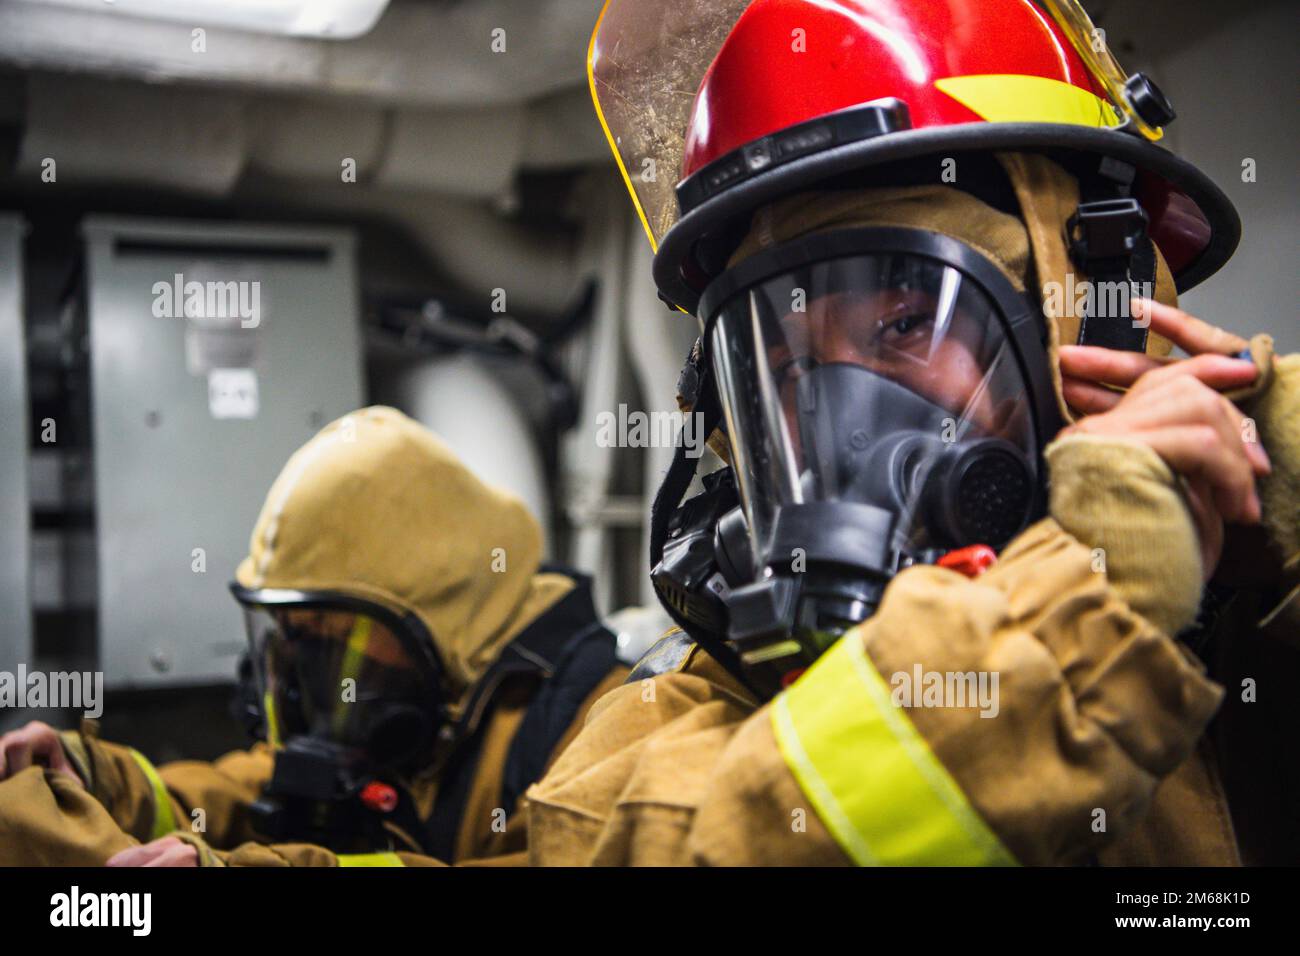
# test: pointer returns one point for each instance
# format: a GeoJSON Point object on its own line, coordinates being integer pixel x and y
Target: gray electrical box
{"type": "Point", "coordinates": [216, 350]}
{"type": "Point", "coordinates": [15, 520]}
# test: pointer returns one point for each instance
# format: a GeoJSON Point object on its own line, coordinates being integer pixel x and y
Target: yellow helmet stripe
{"type": "Point", "coordinates": [1015, 98]}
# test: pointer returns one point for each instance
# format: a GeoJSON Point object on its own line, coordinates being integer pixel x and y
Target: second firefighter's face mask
{"type": "Point", "coordinates": [881, 376]}
{"type": "Point", "coordinates": [346, 677]}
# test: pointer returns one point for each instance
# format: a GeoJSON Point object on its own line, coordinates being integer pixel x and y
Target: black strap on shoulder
{"type": "Point", "coordinates": [454, 783]}
{"type": "Point", "coordinates": [1109, 242]}
{"type": "Point", "coordinates": [567, 651]}
{"type": "Point", "coordinates": [538, 649]}
{"type": "Point", "coordinates": [585, 660]}
{"type": "Point", "coordinates": [669, 497]}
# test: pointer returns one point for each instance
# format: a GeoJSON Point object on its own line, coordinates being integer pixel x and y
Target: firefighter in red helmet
{"type": "Point", "coordinates": [970, 589]}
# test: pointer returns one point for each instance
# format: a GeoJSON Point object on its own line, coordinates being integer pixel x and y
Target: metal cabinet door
{"type": "Point", "coordinates": [196, 405]}
{"type": "Point", "coordinates": [15, 517]}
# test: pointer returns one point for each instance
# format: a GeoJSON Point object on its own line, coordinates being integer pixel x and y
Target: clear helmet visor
{"type": "Point", "coordinates": [343, 676]}
{"type": "Point", "coordinates": [884, 380]}
{"type": "Point", "coordinates": [644, 65]}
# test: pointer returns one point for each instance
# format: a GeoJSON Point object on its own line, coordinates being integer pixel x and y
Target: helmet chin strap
{"type": "Point", "coordinates": [669, 496]}
{"type": "Point", "coordinates": [1109, 242]}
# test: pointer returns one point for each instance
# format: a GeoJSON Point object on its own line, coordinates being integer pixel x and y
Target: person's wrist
{"type": "Point", "coordinates": [1118, 497]}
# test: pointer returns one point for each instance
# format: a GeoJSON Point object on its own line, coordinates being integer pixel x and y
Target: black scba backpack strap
{"type": "Point", "coordinates": [567, 651]}
{"type": "Point", "coordinates": [572, 667]}
{"type": "Point", "coordinates": [1108, 240]}
{"type": "Point", "coordinates": [696, 386]}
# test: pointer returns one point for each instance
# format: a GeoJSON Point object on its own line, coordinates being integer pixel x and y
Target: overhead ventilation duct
{"type": "Point", "coordinates": [203, 139]}
{"type": "Point", "coordinates": [88, 133]}
{"type": "Point", "coordinates": [476, 247]}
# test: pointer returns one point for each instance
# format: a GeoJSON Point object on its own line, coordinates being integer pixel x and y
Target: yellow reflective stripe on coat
{"type": "Point", "coordinates": [370, 859]}
{"type": "Point", "coordinates": [869, 774]}
{"type": "Point", "coordinates": [164, 820]}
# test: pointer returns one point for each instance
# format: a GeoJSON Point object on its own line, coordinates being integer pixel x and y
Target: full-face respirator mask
{"type": "Point", "coordinates": [886, 397]}
{"type": "Point", "coordinates": [349, 696]}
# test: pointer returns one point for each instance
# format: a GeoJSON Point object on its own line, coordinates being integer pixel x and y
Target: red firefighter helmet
{"type": "Point", "coordinates": [809, 92]}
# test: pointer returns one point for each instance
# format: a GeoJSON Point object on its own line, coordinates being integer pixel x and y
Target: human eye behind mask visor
{"type": "Point", "coordinates": [351, 716]}
{"type": "Point", "coordinates": [893, 383]}
{"type": "Point", "coordinates": [878, 417]}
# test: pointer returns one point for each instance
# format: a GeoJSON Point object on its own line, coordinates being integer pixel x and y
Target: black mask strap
{"type": "Point", "coordinates": [673, 488]}
{"type": "Point", "coordinates": [696, 387]}
{"type": "Point", "coordinates": [1108, 241]}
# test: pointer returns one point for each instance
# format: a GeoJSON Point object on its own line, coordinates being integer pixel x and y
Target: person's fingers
{"type": "Point", "coordinates": [1232, 423]}
{"type": "Point", "coordinates": [142, 854]}
{"type": "Point", "coordinates": [183, 854]}
{"type": "Point", "coordinates": [1192, 335]}
{"type": "Point", "coordinates": [1218, 372]}
{"type": "Point", "coordinates": [56, 759]}
{"type": "Point", "coordinates": [6, 741]}
{"type": "Point", "coordinates": [1199, 451]}
{"type": "Point", "coordinates": [15, 751]}
{"type": "Point", "coordinates": [17, 754]}
{"type": "Point", "coordinates": [1134, 370]}
{"type": "Point", "coordinates": [132, 856]}
{"type": "Point", "coordinates": [44, 742]}
{"type": "Point", "coordinates": [1087, 398]}
{"type": "Point", "coordinates": [1194, 450]}
{"type": "Point", "coordinates": [34, 744]}
{"type": "Point", "coordinates": [1106, 366]}
{"type": "Point", "coordinates": [1184, 401]}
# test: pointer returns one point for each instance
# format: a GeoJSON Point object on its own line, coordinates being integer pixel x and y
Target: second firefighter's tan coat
{"type": "Point", "coordinates": [375, 507]}
{"type": "Point", "coordinates": [47, 820]}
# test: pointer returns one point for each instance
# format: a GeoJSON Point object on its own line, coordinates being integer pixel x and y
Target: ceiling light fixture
{"type": "Point", "coordinates": [329, 19]}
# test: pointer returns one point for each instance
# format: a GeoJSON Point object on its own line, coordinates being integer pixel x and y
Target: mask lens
{"type": "Point", "coordinates": [863, 379]}
{"type": "Point", "coordinates": [338, 675]}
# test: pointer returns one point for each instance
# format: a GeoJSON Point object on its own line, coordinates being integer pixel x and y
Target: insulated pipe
{"type": "Point", "coordinates": [475, 246]}
{"type": "Point", "coordinates": [432, 173]}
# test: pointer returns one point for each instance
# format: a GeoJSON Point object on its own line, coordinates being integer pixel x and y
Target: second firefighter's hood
{"type": "Point", "coordinates": [377, 507]}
